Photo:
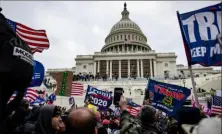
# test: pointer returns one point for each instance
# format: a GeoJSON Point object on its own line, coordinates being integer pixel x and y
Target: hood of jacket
{"type": "Point", "coordinates": [43, 125]}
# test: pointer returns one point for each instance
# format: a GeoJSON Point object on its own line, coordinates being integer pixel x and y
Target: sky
{"type": "Point", "coordinates": [80, 27]}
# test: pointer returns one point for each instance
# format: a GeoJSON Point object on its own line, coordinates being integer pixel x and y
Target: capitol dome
{"type": "Point", "coordinates": [125, 36]}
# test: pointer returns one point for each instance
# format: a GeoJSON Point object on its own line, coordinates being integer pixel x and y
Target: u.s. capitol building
{"type": "Point", "coordinates": [126, 53]}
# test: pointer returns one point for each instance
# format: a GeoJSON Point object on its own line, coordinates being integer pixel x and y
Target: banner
{"type": "Point", "coordinates": [98, 97]}
{"type": "Point", "coordinates": [38, 74]}
{"type": "Point", "coordinates": [167, 97]}
{"type": "Point", "coordinates": [201, 32]}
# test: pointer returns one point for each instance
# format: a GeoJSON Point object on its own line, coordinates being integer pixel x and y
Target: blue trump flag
{"type": "Point", "coordinates": [201, 33]}
{"type": "Point", "coordinates": [167, 97]}
{"type": "Point", "coordinates": [38, 74]}
{"type": "Point", "coordinates": [98, 97]}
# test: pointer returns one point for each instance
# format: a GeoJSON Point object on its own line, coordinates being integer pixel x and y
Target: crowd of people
{"type": "Point", "coordinates": [52, 119]}
{"type": "Point", "coordinates": [104, 77]}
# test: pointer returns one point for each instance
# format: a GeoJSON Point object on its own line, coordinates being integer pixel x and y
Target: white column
{"type": "Point", "coordinates": [151, 68]}
{"type": "Point", "coordinates": [94, 72]}
{"type": "Point", "coordinates": [141, 63]}
{"type": "Point", "coordinates": [107, 67]}
{"type": "Point", "coordinates": [138, 71]}
{"type": "Point", "coordinates": [98, 68]}
{"type": "Point", "coordinates": [154, 66]}
{"type": "Point", "coordinates": [110, 72]}
{"type": "Point", "coordinates": [128, 68]}
{"type": "Point", "coordinates": [119, 68]}
{"type": "Point", "coordinates": [123, 49]}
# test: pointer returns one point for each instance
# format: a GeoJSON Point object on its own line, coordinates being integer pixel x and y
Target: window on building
{"type": "Point", "coordinates": [117, 37]}
{"type": "Point", "coordinates": [121, 37]}
{"type": "Point", "coordinates": [125, 36]}
{"type": "Point", "coordinates": [84, 66]}
{"type": "Point", "coordinates": [166, 64]}
{"type": "Point", "coordinates": [133, 36]}
{"type": "Point", "coordinates": [136, 37]}
{"type": "Point", "coordinates": [128, 37]}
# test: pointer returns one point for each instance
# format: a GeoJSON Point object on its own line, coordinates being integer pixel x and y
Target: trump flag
{"type": "Point", "coordinates": [201, 33]}
{"type": "Point", "coordinates": [167, 97]}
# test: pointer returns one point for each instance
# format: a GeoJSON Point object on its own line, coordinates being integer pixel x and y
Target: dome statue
{"type": "Point", "coordinates": [125, 36]}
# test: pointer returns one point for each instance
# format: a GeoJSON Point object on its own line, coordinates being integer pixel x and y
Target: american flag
{"type": "Point", "coordinates": [37, 40]}
{"type": "Point", "coordinates": [30, 95]}
{"type": "Point", "coordinates": [77, 89]}
{"type": "Point", "coordinates": [133, 108]}
{"type": "Point", "coordinates": [216, 105]}
{"type": "Point", "coordinates": [205, 109]}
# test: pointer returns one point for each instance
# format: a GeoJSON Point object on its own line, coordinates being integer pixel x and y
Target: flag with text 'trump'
{"type": "Point", "coordinates": [201, 33]}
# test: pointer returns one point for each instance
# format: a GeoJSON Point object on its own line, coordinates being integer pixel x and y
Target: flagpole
{"type": "Point", "coordinates": [189, 66]}
{"type": "Point", "coordinates": [194, 87]}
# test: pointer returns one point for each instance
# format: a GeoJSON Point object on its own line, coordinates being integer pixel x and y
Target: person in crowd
{"type": "Point", "coordinates": [81, 121]}
{"type": "Point", "coordinates": [49, 120]}
{"type": "Point", "coordinates": [205, 126]}
{"type": "Point", "coordinates": [15, 119]}
{"type": "Point", "coordinates": [128, 124]}
{"type": "Point", "coordinates": [30, 121]}
{"type": "Point", "coordinates": [148, 118]}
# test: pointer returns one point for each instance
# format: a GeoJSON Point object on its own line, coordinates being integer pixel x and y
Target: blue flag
{"type": "Point", "coordinates": [38, 74]}
{"type": "Point", "coordinates": [52, 97]}
{"type": "Point", "coordinates": [201, 33]}
{"type": "Point", "coordinates": [98, 97]}
{"type": "Point", "coordinates": [167, 97]}
{"type": "Point", "coordinates": [71, 100]}
{"type": "Point", "coordinates": [37, 101]}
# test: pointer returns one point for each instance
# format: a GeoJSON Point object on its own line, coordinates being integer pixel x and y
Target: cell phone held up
{"type": "Point", "coordinates": [118, 92]}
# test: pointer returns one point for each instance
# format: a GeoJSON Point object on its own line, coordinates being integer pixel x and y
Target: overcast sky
{"type": "Point", "coordinates": [79, 28]}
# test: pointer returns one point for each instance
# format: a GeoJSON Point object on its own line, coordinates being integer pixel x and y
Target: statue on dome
{"type": "Point", "coordinates": [125, 6]}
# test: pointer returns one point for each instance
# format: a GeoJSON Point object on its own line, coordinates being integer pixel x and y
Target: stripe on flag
{"type": "Point", "coordinates": [30, 95]}
{"type": "Point", "coordinates": [133, 110]}
{"type": "Point", "coordinates": [37, 40]}
{"type": "Point", "coordinates": [77, 89]}
{"type": "Point", "coordinates": [216, 105]}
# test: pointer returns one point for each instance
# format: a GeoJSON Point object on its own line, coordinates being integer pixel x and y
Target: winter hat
{"type": "Point", "coordinates": [206, 126]}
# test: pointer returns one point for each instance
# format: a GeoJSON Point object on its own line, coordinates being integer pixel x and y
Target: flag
{"type": "Point", "coordinates": [117, 112]}
{"type": "Point", "coordinates": [77, 89]}
{"type": "Point", "coordinates": [37, 40]}
{"type": "Point", "coordinates": [205, 109]}
{"type": "Point", "coordinates": [133, 108]}
{"type": "Point", "coordinates": [167, 97]}
{"type": "Point", "coordinates": [71, 100]}
{"type": "Point", "coordinates": [12, 97]}
{"type": "Point", "coordinates": [37, 101]}
{"type": "Point", "coordinates": [216, 105]}
{"type": "Point", "coordinates": [30, 95]}
{"type": "Point", "coordinates": [51, 98]}
{"type": "Point", "coordinates": [201, 34]}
